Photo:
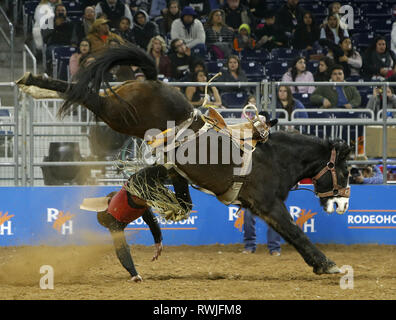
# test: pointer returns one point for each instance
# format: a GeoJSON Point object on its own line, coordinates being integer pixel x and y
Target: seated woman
{"type": "Point", "coordinates": [124, 30]}
{"type": "Point", "coordinates": [219, 36]}
{"type": "Point", "coordinates": [298, 73]}
{"type": "Point", "coordinates": [157, 49]}
{"type": "Point", "coordinates": [196, 95]}
{"type": "Point", "coordinates": [306, 34]}
{"type": "Point", "coordinates": [77, 58]}
{"type": "Point", "coordinates": [323, 73]}
{"type": "Point", "coordinates": [345, 55]}
{"type": "Point", "coordinates": [289, 103]}
{"type": "Point", "coordinates": [375, 101]}
{"type": "Point", "coordinates": [378, 60]}
{"type": "Point", "coordinates": [233, 73]}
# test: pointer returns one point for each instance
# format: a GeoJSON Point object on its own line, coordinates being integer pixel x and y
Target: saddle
{"type": "Point", "coordinates": [251, 131]}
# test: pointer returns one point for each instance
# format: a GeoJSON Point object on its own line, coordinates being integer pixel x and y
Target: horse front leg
{"type": "Point", "coordinates": [280, 220]}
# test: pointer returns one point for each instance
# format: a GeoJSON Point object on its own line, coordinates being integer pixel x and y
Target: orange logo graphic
{"type": "Point", "coordinates": [62, 218]}
{"type": "Point", "coordinates": [304, 217]}
{"type": "Point", "coordinates": [5, 217]}
{"type": "Point", "coordinates": [239, 222]}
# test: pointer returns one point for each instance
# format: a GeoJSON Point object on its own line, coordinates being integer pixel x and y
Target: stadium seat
{"type": "Point", "coordinates": [382, 26]}
{"type": "Point", "coordinates": [254, 70]}
{"type": "Point", "coordinates": [214, 67]}
{"type": "Point", "coordinates": [60, 61]}
{"type": "Point", "coordinates": [274, 70]}
{"type": "Point", "coordinates": [260, 55]}
{"type": "Point", "coordinates": [312, 66]}
{"type": "Point", "coordinates": [234, 99]}
{"type": "Point", "coordinates": [27, 16]}
{"type": "Point", "coordinates": [303, 98]}
{"type": "Point", "coordinates": [375, 10]}
{"type": "Point", "coordinates": [285, 54]}
{"type": "Point", "coordinates": [362, 40]}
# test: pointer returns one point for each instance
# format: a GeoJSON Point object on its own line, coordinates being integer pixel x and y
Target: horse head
{"type": "Point", "coordinates": [332, 183]}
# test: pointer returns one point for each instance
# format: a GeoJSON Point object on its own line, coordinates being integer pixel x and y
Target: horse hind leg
{"type": "Point", "coordinates": [280, 220]}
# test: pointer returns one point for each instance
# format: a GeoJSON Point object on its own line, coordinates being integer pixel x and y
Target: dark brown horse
{"type": "Point", "coordinates": [277, 165]}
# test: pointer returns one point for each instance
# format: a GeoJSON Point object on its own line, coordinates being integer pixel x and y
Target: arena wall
{"type": "Point", "coordinates": [51, 216]}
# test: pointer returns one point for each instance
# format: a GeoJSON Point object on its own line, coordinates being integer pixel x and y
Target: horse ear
{"type": "Point", "coordinates": [272, 123]}
{"type": "Point", "coordinates": [342, 148]}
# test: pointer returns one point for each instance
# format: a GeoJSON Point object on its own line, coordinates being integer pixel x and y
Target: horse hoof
{"type": "Point", "coordinates": [24, 79]}
{"type": "Point", "coordinates": [331, 269]}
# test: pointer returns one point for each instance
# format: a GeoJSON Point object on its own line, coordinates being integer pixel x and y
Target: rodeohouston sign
{"type": "Point", "coordinates": [51, 216]}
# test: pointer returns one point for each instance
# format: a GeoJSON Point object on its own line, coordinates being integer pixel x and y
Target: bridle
{"type": "Point", "coordinates": [337, 191]}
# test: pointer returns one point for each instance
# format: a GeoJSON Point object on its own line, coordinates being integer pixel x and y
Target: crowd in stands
{"type": "Point", "coordinates": [191, 40]}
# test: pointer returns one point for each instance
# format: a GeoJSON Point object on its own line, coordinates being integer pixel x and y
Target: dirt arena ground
{"type": "Point", "coordinates": [201, 272]}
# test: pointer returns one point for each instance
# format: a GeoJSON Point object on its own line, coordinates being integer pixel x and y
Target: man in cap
{"type": "Point", "coordinates": [114, 10]}
{"type": "Point", "coordinates": [100, 36]}
{"type": "Point", "coordinates": [189, 29]}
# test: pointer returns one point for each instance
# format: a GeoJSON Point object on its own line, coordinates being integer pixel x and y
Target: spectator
{"type": "Point", "coordinates": [196, 95]}
{"type": "Point", "coordinates": [348, 57]}
{"type": "Point", "coordinates": [323, 74]}
{"type": "Point", "coordinates": [77, 58]}
{"type": "Point", "coordinates": [244, 40]}
{"type": "Point", "coordinates": [100, 36]}
{"type": "Point", "coordinates": [336, 97]}
{"type": "Point", "coordinates": [365, 174]}
{"type": "Point", "coordinates": [289, 16]}
{"type": "Point", "coordinates": [113, 10]}
{"type": "Point", "coordinates": [197, 65]}
{"type": "Point", "coordinates": [236, 14]}
{"type": "Point", "coordinates": [306, 34]}
{"type": "Point", "coordinates": [144, 29]}
{"type": "Point", "coordinates": [219, 36]}
{"type": "Point", "coordinates": [270, 36]}
{"type": "Point", "coordinates": [88, 3]}
{"type": "Point", "coordinates": [249, 236]}
{"type": "Point", "coordinates": [334, 8]}
{"type": "Point", "coordinates": [393, 38]}
{"type": "Point", "coordinates": [81, 28]}
{"type": "Point", "coordinates": [157, 49]}
{"type": "Point", "coordinates": [378, 60]}
{"type": "Point", "coordinates": [332, 30]}
{"type": "Point", "coordinates": [298, 73]}
{"type": "Point", "coordinates": [137, 5]}
{"type": "Point", "coordinates": [181, 58]}
{"type": "Point", "coordinates": [157, 8]}
{"type": "Point", "coordinates": [258, 8]}
{"type": "Point", "coordinates": [43, 20]}
{"type": "Point", "coordinates": [189, 28]}
{"type": "Point", "coordinates": [375, 102]}
{"type": "Point", "coordinates": [172, 13]}
{"type": "Point", "coordinates": [289, 103]}
{"type": "Point", "coordinates": [124, 30]}
{"type": "Point", "coordinates": [62, 33]}
{"type": "Point", "coordinates": [232, 73]}
{"type": "Point", "coordinates": [201, 7]}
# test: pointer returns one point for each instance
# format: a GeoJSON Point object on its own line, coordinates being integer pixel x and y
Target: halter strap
{"type": "Point", "coordinates": [337, 190]}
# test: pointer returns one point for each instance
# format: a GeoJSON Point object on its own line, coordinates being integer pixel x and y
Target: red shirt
{"type": "Point", "coordinates": [120, 209]}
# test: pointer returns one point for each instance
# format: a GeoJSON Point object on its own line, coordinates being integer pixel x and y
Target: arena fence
{"type": "Point", "coordinates": [25, 144]}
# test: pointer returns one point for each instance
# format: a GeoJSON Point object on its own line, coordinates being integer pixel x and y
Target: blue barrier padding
{"type": "Point", "coordinates": [51, 216]}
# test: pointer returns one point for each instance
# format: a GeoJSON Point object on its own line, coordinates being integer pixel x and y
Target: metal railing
{"type": "Point", "coordinates": [26, 51]}
{"type": "Point", "coordinates": [29, 133]}
{"type": "Point", "coordinates": [10, 41]}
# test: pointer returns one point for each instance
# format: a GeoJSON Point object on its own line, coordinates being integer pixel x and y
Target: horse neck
{"type": "Point", "coordinates": [304, 156]}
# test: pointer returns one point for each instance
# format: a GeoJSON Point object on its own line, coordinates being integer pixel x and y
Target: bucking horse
{"type": "Point", "coordinates": [278, 160]}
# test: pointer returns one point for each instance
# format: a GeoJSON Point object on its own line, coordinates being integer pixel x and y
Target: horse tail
{"type": "Point", "coordinates": [91, 78]}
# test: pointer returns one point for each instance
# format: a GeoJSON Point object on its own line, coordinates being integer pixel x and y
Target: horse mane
{"type": "Point", "coordinates": [297, 139]}
{"type": "Point", "coordinates": [91, 78]}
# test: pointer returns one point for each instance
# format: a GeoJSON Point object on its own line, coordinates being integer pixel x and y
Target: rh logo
{"type": "Point", "coordinates": [5, 224]}
{"type": "Point", "coordinates": [60, 221]}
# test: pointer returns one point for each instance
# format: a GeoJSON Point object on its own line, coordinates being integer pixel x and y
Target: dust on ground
{"type": "Point", "coordinates": [195, 272]}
